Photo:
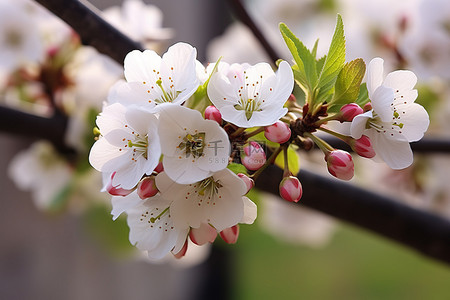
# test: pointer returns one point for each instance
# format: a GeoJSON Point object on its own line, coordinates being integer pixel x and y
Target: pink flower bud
{"type": "Point", "coordinates": [147, 188]}
{"type": "Point", "coordinates": [247, 180]}
{"type": "Point", "coordinates": [159, 168]}
{"type": "Point", "coordinates": [212, 113]}
{"type": "Point", "coordinates": [253, 156]}
{"type": "Point", "coordinates": [278, 133]}
{"type": "Point", "coordinates": [205, 233]}
{"type": "Point", "coordinates": [182, 252]}
{"type": "Point", "coordinates": [363, 146]}
{"type": "Point", "coordinates": [230, 235]}
{"type": "Point", "coordinates": [340, 164]}
{"type": "Point", "coordinates": [349, 112]}
{"type": "Point", "coordinates": [115, 190]}
{"type": "Point", "coordinates": [291, 189]}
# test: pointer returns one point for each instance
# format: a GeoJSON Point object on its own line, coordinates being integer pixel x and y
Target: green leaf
{"type": "Point", "coordinates": [363, 96]}
{"type": "Point", "coordinates": [306, 63]}
{"type": "Point", "coordinates": [237, 168]}
{"type": "Point", "coordinates": [333, 64]}
{"type": "Point", "coordinates": [293, 161]}
{"type": "Point", "coordinates": [346, 89]}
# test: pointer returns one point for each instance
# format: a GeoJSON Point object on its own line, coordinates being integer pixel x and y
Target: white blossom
{"type": "Point", "coordinates": [193, 147]}
{"type": "Point", "coordinates": [128, 145]}
{"type": "Point", "coordinates": [395, 119]}
{"type": "Point", "coordinates": [250, 96]}
{"type": "Point", "coordinates": [217, 200]}
{"type": "Point", "coordinates": [152, 80]}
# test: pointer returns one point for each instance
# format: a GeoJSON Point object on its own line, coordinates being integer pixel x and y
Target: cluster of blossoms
{"type": "Point", "coordinates": [180, 145]}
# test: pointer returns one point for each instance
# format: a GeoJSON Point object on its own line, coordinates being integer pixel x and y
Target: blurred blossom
{"type": "Point", "coordinates": [294, 223]}
{"type": "Point", "coordinates": [41, 171]}
{"type": "Point", "coordinates": [139, 21]}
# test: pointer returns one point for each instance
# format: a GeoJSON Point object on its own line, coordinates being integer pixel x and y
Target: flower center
{"type": "Point", "coordinates": [249, 106]}
{"type": "Point", "coordinates": [209, 187]}
{"type": "Point", "coordinates": [193, 144]}
{"type": "Point", "coordinates": [139, 146]}
{"type": "Point", "coordinates": [13, 38]}
{"type": "Point", "coordinates": [166, 96]}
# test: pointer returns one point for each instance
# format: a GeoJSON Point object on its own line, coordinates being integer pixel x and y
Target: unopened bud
{"type": "Point", "coordinates": [340, 164]}
{"type": "Point", "coordinates": [230, 235]}
{"type": "Point", "coordinates": [250, 183]}
{"type": "Point", "coordinates": [278, 133]}
{"type": "Point", "coordinates": [159, 168]}
{"type": "Point", "coordinates": [349, 112]}
{"type": "Point", "coordinates": [253, 157]}
{"type": "Point", "coordinates": [363, 146]}
{"type": "Point", "coordinates": [212, 113]}
{"type": "Point", "coordinates": [147, 187]}
{"type": "Point", "coordinates": [116, 190]}
{"type": "Point", "coordinates": [203, 234]}
{"type": "Point", "coordinates": [291, 189]}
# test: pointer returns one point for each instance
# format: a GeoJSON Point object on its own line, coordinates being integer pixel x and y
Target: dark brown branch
{"type": "Point", "coordinates": [93, 30]}
{"type": "Point", "coordinates": [420, 230]}
{"type": "Point", "coordinates": [243, 16]}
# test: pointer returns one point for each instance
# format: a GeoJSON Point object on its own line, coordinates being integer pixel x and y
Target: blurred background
{"type": "Point", "coordinates": [76, 251]}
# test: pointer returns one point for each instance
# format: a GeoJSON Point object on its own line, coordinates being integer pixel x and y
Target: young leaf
{"type": "Point", "coordinates": [334, 62]}
{"type": "Point", "coordinates": [363, 96]}
{"type": "Point", "coordinates": [306, 62]}
{"type": "Point", "coordinates": [293, 161]}
{"type": "Point", "coordinates": [346, 89]}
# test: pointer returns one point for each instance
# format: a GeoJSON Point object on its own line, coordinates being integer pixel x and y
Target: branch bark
{"type": "Point", "coordinates": [85, 19]}
{"type": "Point", "coordinates": [425, 232]}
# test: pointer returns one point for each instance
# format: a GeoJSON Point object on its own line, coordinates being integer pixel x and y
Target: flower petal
{"type": "Point", "coordinates": [382, 99]}
{"type": "Point", "coordinates": [358, 125]}
{"type": "Point", "coordinates": [374, 75]}
{"type": "Point", "coordinates": [397, 154]}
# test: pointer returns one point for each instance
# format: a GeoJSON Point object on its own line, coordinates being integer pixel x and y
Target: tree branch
{"type": "Point", "coordinates": [85, 19]}
{"type": "Point", "coordinates": [420, 230]}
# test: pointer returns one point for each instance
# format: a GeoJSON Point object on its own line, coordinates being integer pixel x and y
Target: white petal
{"type": "Point", "coordinates": [374, 75]}
{"type": "Point", "coordinates": [122, 204]}
{"type": "Point", "coordinates": [285, 83]}
{"type": "Point", "coordinates": [250, 211]}
{"type": "Point", "coordinates": [221, 92]}
{"type": "Point", "coordinates": [358, 124]}
{"type": "Point", "coordinates": [183, 170]}
{"type": "Point", "coordinates": [397, 154]}
{"type": "Point", "coordinates": [227, 211]}
{"type": "Point", "coordinates": [400, 80]}
{"type": "Point", "coordinates": [381, 100]}
{"type": "Point", "coordinates": [415, 121]}
{"type": "Point", "coordinates": [102, 152]}
{"type": "Point", "coordinates": [139, 66]}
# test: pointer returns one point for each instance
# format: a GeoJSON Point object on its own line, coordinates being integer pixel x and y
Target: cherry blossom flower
{"type": "Point", "coordinates": [217, 200]}
{"type": "Point", "coordinates": [193, 147]}
{"type": "Point", "coordinates": [151, 224]}
{"type": "Point", "coordinates": [395, 119]}
{"type": "Point", "coordinates": [19, 38]}
{"type": "Point", "coordinates": [250, 96]}
{"type": "Point", "coordinates": [152, 80]}
{"type": "Point", "coordinates": [141, 22]}
{"type": "Point", "coordinates": [129, 144]}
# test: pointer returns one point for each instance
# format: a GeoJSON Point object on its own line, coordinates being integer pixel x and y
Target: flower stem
{"type": "Point", "coordinates": [286, 171]}
{"type": "Point", "coordinates": [267, 163]}
{"type": "Point", "coordinates": [254, 132]}
{"type": "Point", "coordinates": [324, 146]}
{"type": "Point", "coordinates": [237, 132]}
{"type": "Point", "coordinates": [329, 118]}
{"type": "Point", "coordinates": [345, 138]}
